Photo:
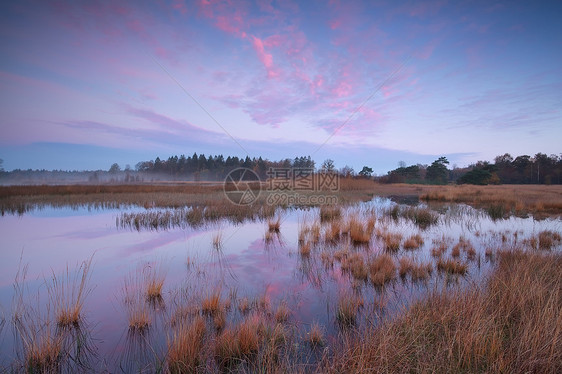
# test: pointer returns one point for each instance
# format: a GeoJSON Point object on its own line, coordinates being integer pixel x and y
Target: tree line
{"type": "Point", "coordinates": [506, 169]}
{"type": "Point", "coordinates": [215, 167]}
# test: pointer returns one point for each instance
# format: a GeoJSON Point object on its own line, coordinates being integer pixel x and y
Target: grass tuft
{"type": "Point", "coordinates": [382, 270]}
{"type": "Point", "coordinates": [185, 346]}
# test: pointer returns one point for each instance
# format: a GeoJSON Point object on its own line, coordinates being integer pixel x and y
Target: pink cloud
{"type": "Point", "coordinates": [180, 6]}
{"type": "Point", "coordinates": [265, 58]}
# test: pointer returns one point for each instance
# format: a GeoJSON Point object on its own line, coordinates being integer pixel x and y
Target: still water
{"type": "Point", "coordinates": [48, 241]}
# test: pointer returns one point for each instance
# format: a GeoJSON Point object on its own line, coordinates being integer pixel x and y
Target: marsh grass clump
{"type": "Point", "coordinates": [439, 250]}
{"type": "Point", "coordinates": [405, 266]}
{"type": "Point", "coordinates": [347, 308]}
{"type": "Point", "coordinates": [43, 353]}
{"type": "Point", "coordinates": [391, 241]}
{"type": "Point", "coordinates": [244, 305]}
{"type": "Point", "coordinates": [329, 213]}
{"type": "Point", "coordinates": [217, 239]}
{"type": "Point", "coordinates": [282, 313]}
{"type": "Point", "coordinates": [413, 242]}
{"type": "Point", "coordinates": [548, 239]}
{"type": "Point", "coordinates": [315, 336]}
{"type": "Point", "coordinates": [274, 225]}
{"type": "Point", "coordinates": [420, 216]}
{"type": "Point", "coordinates": [211, 304]}
{"type": "Point", "coordinates": [421, 271]}
{"type": "Point", "coordinates": [452, 266]}
{"type": "Point", "coordinates": [137, 309]}
{"type": "Point", "coordinates": [496, 211]}
{"type": "Point", "coordinates": [333, 232]}
{"type": "Point", "coordinates": [304, 249]}
{"type": "Point", "coordinates": [68, 295]}
{"type": "Point", "coordinates": [358, 233]}
{"type": "Point", "coordinates": [382, 269]}
{"type": "Point", "coordinates": [154, 282]}
{"type": "Point", "coordinates": [185, 346]}
{"type": "Point", "coordinates": [355, 264]}
{"type": "Point", "coordinates": [227, 349]}
{"type": "Point", "coordinates": [249, 335]}
{"type": "Point", "coordinates": [509, 324]}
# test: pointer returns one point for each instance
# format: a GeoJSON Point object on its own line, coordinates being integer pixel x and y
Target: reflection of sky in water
{"type": "Point", "coordinates": [49, 239]}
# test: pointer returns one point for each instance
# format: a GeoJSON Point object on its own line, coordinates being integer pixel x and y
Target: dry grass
{"type": "Point", "coordinates": [391, 241]}
{"type": "Point", "coordinates": [439, 249]}
{"type": "Point", "coordinates": [212, 303]}
{"type": "Point", "coordinates": [137, 309]}
{"type": "Point", "coordinates": [315, 336]}
{"type": "Point", "coordinates": [405, 266]}
{"type": "Point", "coordinates": [512, 324]}
{"type": "Point", "coordinates": [413, 242]}
{"type": "Point", "coordinates": [347, 308]}
{"type": "Point", "coordinates": [452, 266]}
{"type": "Point", "coordinates": [333, 233]}
{"type": "Point", "coordinates": [249, 334]}
{"type": "Point", "coordinates": [68, 295]}
{"type": "Point", "coordinates": [548, 239]}
{"type": "Point", "coordinates": [227, 349]}
{"type": "Point", "coordinates": [382, 270]}
{"type": "Point", "coordinates": [358, 233]}
{"type": "Point", "coordinates": [329, 213]}
{"type": "Point", "coordinates": [217, 239]}
{"type": "Point", "coordinates": [421, 271]}
{"type": "Point", "coordinates": [417, 271]}
{"type": "Point", "coordinates": [185, 346]}
{"type": "Point", "coordinates": [304, 249]}
{"type": "Point", "coordinates": [274, 225]}
{"type": "Point", "coordinates": [244, 305]}
{"type": "Point", "coordinates": [154, 277]}
{"type": "Point", "coordinates": [518, 199]}
{"type": "Point", "coordinates": [219, 321]}
{"type": "Point", "coordinates": [282, 313]}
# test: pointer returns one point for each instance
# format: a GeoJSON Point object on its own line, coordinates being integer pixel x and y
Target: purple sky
{"type": "Point", "coordinates": [84, 84]}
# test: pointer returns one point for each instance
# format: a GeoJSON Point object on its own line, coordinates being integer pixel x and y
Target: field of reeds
{"type": "Point", "coordinates": [395, 289]}
{"type": "Point", "coordinates": [508, 323]}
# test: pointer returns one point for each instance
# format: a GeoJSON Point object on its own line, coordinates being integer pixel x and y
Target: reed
{"type": "Point", "coordinates": [154, 277]}
{"type": "Point", "coordinates": [329, 213]}
{"type": "Point", "coordinates": [413, 242]}
{"type": "Point", "coordinates": [391, 241]}
{"type": "Point", "coordinates": [452, 266]}
{"type": "Point", "coordinates": [358, 232]}
{"type": "Point", "coordinates": [315, 336]}
{"type": "Point", "coordinates": [282, 313]}
{"type": "Point", "coordinates": [304, 249]}
{"type": "Point", "coordinates": [382, 270]}
{"type": "Point", "coordinates": [548, 239]}
{"type": "Point", "coordinates": [510, 324]}
{"type": "Point", "coordinates": [347, 308]}
{"type": "Point", "coordinates": [69, 293]}
{"type": "Point", "coordinates": [212, 303]}
{"type": "Point", "coordinates": [217, 239]}
{"type": "Point", "coordinates": [186, 347]}
{"type": "Point", "coordinates": [274, 225]}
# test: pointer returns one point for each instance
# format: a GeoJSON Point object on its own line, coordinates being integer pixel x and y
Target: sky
{"type": "Point", "coordinates": [84, 84]}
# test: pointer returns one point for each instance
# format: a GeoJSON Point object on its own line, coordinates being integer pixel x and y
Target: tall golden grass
{"type": "Point", "coordinates": [511, 324]}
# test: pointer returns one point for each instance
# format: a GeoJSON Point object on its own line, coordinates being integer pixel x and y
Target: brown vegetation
{"type": "Point", "coordinates": [512, 324]}
{"type": "Point", "coordinates": [382, 269]}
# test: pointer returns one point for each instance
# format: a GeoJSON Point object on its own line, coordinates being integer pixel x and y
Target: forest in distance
{"type": "Point", "coordinates": [505, 169]}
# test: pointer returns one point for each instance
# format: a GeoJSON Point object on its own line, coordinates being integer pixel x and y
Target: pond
{"type": "Point", "coordinates": [301, 273]}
